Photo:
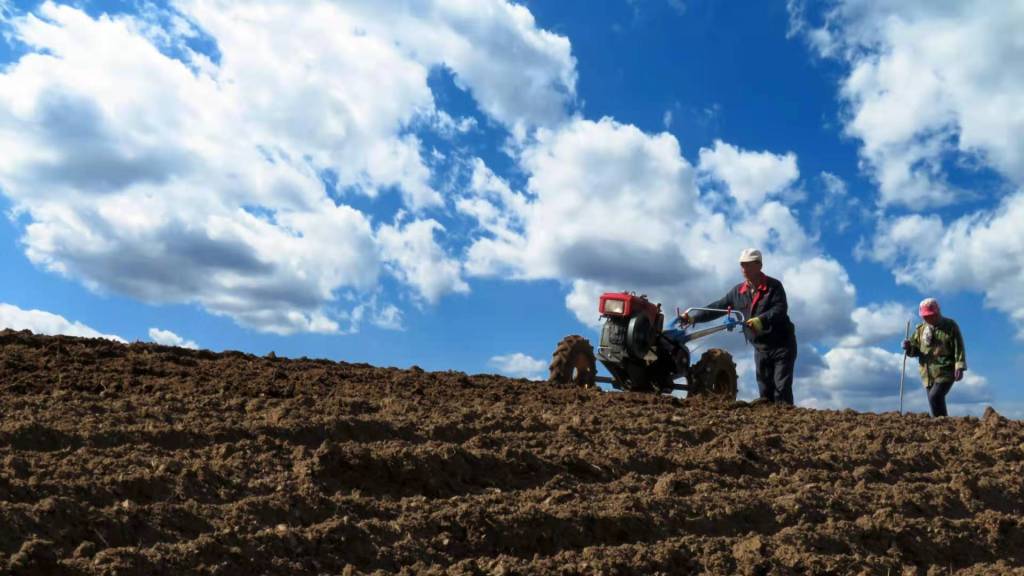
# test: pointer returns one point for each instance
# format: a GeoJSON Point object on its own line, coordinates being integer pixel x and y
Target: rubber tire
{"type": "Point", "coordinates": [714, 375]}
{"type": "Point", "coordinates": [573, 363]}
{"type": "Point", "coordinates": [638, 336]}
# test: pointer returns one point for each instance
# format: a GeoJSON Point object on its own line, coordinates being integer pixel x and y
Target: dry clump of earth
{"type": "Point", "coordinates": [145, 459]}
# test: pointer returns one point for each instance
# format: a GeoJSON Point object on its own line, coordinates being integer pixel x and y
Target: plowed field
{"type": "Point", "coordinates": [142, 459]}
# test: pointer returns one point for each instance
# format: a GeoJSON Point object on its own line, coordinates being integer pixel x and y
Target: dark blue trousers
{"type": "Point", "coordinates": [774, 368]}
{"type": "Point", "coordinates": [937, 397]}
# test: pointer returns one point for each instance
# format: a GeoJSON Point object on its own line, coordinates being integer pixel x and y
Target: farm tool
{"type": "Point", "coordinates": [642, 356]}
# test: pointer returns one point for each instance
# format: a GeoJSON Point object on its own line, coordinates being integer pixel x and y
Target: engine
{"type": "Point", "coordinates": [632, 347]}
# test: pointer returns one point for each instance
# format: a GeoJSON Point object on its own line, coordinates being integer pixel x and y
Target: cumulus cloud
{"type": "Point", "coordinates": [751, 177]}
{"type": "Point", "coordinates": [608, 207]}
{"type": "Point", "coordinates": [412, 250]}
{"type": "Point", "coordinates": [389, 318]}
{"type": "Point", "coordinates": [981, 252]}
{"type": "Point", "coordinates": [42, 322]}
{"type": "Point", "coordinates": [834, 207]}
{"type": "Point", "coordinates": [877, 322]}
{"type": "Point", "coordinates": [147, 167]}
{"type": "Point", "coordinates": [519, 365]}
{"type": "Point", "coordinates": [168, 338]}
{"type": "Point", "coordinates": [582, 299]}
{"type": "Point", "coordinates": [867, 374]}
{"type": "Point", "coordinates": [930, 89]}
{"type": "Point", "coordinates": [369, 309]}
{"type": "Point", "coordinates": [867, 378]}
{"type": "Point", "coordinates": [926, 80]}
{"type": "Point", "coordinates": [492, 203]}
{"type": "Point", "coordinates": [821, 298]}
{"type": "Point", "coordinates": [595, 184]}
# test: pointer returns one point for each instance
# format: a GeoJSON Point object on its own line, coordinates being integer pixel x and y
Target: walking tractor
{"type": "Point", "coordinates": [644, 357]}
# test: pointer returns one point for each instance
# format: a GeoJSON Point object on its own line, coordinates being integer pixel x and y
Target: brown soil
{"type": "Point", "coordinates": [143, 459]}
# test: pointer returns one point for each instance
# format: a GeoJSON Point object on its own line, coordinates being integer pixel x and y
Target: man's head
{"type": "Point", "coordinates": [929, 310]}
{"type": "Point", "coordinates": [750, 262]}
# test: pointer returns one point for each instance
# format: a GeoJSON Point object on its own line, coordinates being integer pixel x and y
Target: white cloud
{"type": "Point", "coordinates": [41, 322]}
{"type": "Point", "coordinates": [582, 301]}
{"type": "Point", "coordinates": [596, 184]}
{"type": "Point", "coordinates": [821, 299]}
{"type": "Point", "coordinates": [877, 322]}
{"type": "Point", "coordinates": [867, 379]}
{"type": "Point", "coordinates": [913, 237]}
{"type": "Point", "coordinates": [492, 203]}
{"type": "Point", "coordinates": [666, 119]}
{"type": "Point", "coordinates": [862, 373]}
{"type": "Point", "coordinates": [369, 309]}
{"type": "Point", "coordinates": [389, 318]}
{"type": "Point", "coordinates": [168, 338]}
{"type": "Point", "coordinates": [519, 365]}
{"type": "Point", "coordinates": [449, 127]}
{"type": "Point", "coordinates": [519, 74]}
{"type": "Point", "coordinates": [609, 208]}
{"type": "Point", "coordinates": [583, 191]}
{"type": "Point", "coordinates": [930, 85]}
{"type": "Point", "coordinates": [835, 207]}
{"type": "Point", "coordinates": [927, 79]}
{"type": "Point", "coordinates": [969, 396]}
{"type": "Point", "coordinates": [797, 21]}
{"type": "Point", "coordinates": [746, 373]}
{"type": "Point", "coordinates": [982, 252]}
{"type": "Point", "coordinates": [751, 177]}
{"type": "Point", "coordinates": [419, 261]}
{"type": "Point", "coordinates": [200, 180]}
{"type": "Point", "coordinates": [834, 185]}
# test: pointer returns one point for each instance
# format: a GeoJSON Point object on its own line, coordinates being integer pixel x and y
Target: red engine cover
{"type": "Point", "coordinates": [633, 305]}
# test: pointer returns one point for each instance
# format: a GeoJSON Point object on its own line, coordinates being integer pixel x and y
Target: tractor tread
{"type": "Point", "coordinates": [714, 375]}
{"type": "Point", "coordinates": [574, 356]}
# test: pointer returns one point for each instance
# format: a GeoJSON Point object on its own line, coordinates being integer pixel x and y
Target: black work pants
{"type": "Point", "coordinates": [937, 397]}
{"type": "Point", "coordinates": [774, 368]}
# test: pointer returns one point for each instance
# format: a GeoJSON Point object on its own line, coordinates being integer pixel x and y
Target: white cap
{"type": "Point", "coordinates": [750, 255]}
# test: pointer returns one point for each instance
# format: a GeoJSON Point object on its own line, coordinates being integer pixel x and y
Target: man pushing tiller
{"type": "Point", "coordinates": [768, 327]}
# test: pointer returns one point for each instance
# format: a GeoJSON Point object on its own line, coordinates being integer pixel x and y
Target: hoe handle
{"type": "Point", "coordinates": [903, 371]}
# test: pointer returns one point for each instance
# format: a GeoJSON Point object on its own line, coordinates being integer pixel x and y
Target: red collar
{"type": "Point", "coordinates": [762, 287]}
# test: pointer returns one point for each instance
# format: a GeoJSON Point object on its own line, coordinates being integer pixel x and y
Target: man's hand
{"type": "Point", "coordinates": [684, 319]}
{"type": "Point", "coordinates": [958, 374]}
{"type": "Point", "coordinates": [906, 345]}
{"type": "Point", "coordinates": [755, 324]}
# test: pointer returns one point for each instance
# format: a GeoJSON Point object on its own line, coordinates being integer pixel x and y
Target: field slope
{"type": "Point", "coordinates": [143, 459]}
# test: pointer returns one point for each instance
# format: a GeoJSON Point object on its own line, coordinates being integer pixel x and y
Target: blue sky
{"type": "Point", "coordinates": [452, 184]}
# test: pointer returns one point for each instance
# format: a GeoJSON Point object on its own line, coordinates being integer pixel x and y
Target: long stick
{"type": "Point", "coordinates": [903, 371]}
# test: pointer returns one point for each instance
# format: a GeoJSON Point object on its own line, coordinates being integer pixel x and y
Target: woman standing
{"type": "Point", "coordinates": [939, 348]}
